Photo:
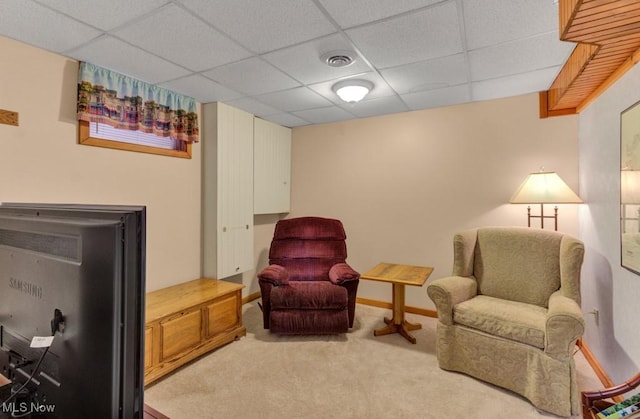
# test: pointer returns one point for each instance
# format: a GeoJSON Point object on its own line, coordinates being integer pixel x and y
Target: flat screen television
{"type": "Point", "coordinates": [76, 272]}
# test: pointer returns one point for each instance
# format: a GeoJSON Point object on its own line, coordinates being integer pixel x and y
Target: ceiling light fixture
{"type": "Point", "coordinates": [352, 90]}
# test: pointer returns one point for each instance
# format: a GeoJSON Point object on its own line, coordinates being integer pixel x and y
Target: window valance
{"type": "Point", "coordinates": [122, 102]}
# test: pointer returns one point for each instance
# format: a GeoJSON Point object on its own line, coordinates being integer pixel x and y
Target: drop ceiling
{"type": "Point", "coordinates": [264, 56]}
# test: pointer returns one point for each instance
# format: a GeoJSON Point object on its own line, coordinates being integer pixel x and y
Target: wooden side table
{"type": "Point", "coordinates": [398, 276]}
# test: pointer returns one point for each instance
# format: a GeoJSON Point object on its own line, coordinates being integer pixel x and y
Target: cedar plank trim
{"type": "Point", "coordinates": [626, 66]}
{"type": "Point", "coordinates": [545, 112]}
{"type": "Point", "coordinates": [567, 10]}
{"type": "Point", "coordinates": [607, 33]}
{"type": "Point", "coordinates": [569, 73]}
{"type": "Point", "coordinates": [611, 29]}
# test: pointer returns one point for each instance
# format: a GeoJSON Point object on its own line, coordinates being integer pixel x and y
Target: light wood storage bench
{"type": "Point", "coordinates": [187, 320]}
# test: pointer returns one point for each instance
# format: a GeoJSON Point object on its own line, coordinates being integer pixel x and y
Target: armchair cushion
{"type": "Point", "coordinates": [508, 267]}
{"type": "Point", "coordinates": [511, 320]}
{"type": "Point", "coordinates": [341, 272]}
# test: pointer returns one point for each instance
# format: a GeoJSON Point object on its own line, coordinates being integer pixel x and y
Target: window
{"type": "Point", "coordinates": [103, 135]}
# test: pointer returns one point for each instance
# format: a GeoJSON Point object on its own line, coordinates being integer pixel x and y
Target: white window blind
{"type": "Point", "coordinates": [107, 132]}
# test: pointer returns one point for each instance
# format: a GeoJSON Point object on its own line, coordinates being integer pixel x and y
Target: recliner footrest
{"type": "Point", "coordinates": [309, 295]}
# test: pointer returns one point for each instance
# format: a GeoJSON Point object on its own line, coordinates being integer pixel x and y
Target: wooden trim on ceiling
{"type": "Point", "coordinates": [619, 72]}
{"type": "Point", "coordinates": [545, 112]}
{"type": "Point", "coordinates": [607, 33]}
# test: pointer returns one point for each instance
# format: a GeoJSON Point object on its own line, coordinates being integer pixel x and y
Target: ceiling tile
{"type": "Point", "coordinates": [356, 12]}
{"type": "Point", "coordinates": [438, 97]}
{"type": "Point", "coordinates": [303, 63]}
{"type": "Point", "coordinates": [105, 15]}
{"type": "Point", "coordinates": [429, 33]}
{"type": "Point", "coordinates": [518, 57]}
{"type": "Point", "coordinates": [34, 24]}
{"type": "Point", "coordinates": [288, 120]}
{"type": "Point", "coordinates": [191, 43]}
{"type": "Point", "coordinates": [296, 99]}
{"type": "Point", "coordinates": [530, 82]}
{"type": "Point", "coordinates": [377, 106]}
{"type": "Point", "coordinates": [253, 76]}
{"type": "Point", "coordinates": [427, 75]}
{"type": "Point", "coordinates": [118, 56]}
{"type": "Point", "coordinates": [324, 115]}
{"type": "Point", "coordinates": [489, 22]}
{"type": "Point", "coordinates": [202, 89]}
{"type": "Point", "coordinates": [253, 106]}
{"type": "Point", "coordinates": [286, 22]}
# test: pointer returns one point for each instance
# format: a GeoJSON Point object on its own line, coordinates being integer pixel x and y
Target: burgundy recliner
{"type": "Point", "coordinates": [308, 288]}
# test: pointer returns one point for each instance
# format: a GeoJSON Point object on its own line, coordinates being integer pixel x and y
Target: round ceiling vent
{"type": "Point", "coordinates": [338, 58]}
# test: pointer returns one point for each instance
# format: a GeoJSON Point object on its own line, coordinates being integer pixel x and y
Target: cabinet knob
{"type": "Point", "coordinates": [237, 269]}
{"type": "Point", "coordinates": [224, 229]}
{"type": "Point", "coordinates": [247, 226]}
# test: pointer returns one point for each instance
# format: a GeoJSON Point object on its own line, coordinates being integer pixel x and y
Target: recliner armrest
{"type": "Point", "coordinates": [564, 324]}
{"type": "Point", "coordinates": [275, 274]}
{"type": "Point", "coordinates": [341, 273]}
{"type": "Point", "coordinates": [449, 291]}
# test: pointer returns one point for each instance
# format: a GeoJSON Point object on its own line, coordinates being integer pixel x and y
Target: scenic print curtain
{"type": "Point", "coordinates": [122, 102]}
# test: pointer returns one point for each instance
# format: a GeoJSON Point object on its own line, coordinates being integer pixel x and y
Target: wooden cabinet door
{"type": "Point", "coordinates": [148, 347]}
{"type": "Point", "coordinates": [222, 314]}
{"type": "Point", "coordinates": [181, 333]}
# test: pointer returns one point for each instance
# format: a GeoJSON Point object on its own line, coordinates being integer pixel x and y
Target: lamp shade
{"type": "Point", "coordinates": [629, 186]}
{"type": "Point", "coordinates": [353, 90]}
{"type": "Point", "coordinates": [544, 188]}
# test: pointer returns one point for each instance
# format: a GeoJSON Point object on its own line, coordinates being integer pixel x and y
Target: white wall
{"type": "Point", "coordinates": [40, 161]}
{"type": "Point", "coordinates": [404, 184]}
{"type": "Point", "coordinates": [607, 286]}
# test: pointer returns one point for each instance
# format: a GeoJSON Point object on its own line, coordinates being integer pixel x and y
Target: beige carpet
{"type": "Point", "coordinates": [355, 375]}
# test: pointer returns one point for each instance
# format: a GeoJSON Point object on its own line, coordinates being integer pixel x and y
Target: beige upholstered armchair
{"type": "Point", "coordinates": [510, 313]}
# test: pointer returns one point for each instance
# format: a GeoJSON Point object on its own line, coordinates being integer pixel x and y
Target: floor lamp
{"type": "Point", "coordinates": [544, 188]}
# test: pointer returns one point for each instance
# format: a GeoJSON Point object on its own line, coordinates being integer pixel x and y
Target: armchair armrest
{"type": "Point", "coordinates": [341, 273]}
{"type": "Point", "coordinates": [449, 291]}
{"type": "Point", "coordinates": [564, 324]}
{"type": "Point", "coordinates": [274, 274]}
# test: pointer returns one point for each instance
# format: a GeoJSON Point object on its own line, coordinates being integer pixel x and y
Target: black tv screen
{"type": "Point", "coordinates": [77, 273]}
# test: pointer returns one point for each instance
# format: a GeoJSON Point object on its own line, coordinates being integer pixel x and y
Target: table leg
{"type": "Point", "coordinates": [397, 324]}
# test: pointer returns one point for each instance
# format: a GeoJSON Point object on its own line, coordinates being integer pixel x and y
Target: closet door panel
{"type": "Point", "coordinates": [272, 168]}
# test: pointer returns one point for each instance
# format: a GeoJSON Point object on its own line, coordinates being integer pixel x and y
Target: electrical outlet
{"type": "Point", "coordinates": [596, 316]}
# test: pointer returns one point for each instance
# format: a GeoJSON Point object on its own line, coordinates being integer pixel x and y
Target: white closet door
{"type": "Point", "coordinates": [227, 197]}
{"type": "Point", "coordinates": [235, 191]}
{"type": "Point", "coordinates": [272, 168]}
